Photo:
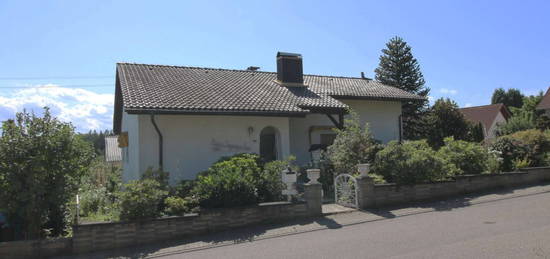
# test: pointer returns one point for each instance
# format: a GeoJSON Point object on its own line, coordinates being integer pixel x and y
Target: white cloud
{"type": "Point", "coordinates": [85, 109]}
{"type": "Point", "coordinates": [448, 91]}
{"type": "Point", "coordinates": [468, 105]}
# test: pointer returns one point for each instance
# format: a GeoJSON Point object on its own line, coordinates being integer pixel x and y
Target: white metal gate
{"type": "Point", "coordinates": [345, 190]}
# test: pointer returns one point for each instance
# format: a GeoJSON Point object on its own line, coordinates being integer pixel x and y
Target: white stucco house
{"type": "Point", "coordinates": [490, 116]}
{"type": "Point", "coordinates": [183, 119]}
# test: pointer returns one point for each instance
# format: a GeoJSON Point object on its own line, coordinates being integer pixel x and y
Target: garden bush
{"type": "Point", "coordinates": [178, 206]}
{"type": "Point", "coordinates": [467, 157]}
{"type": "Point", "coordinates": [523, 148]}
{"type": "Point", "coordinates": [240, 180]}
{"type": "Point", "coordinates": [353, 145]}
{"type": "Point", "coordinates": [229, 182]}
{"type": "Point", "coordinates": [537, 143]}
{"type": "Point", "coordinates": [141, 199]}
{"type": "Point", "coordinates": [411, 162]}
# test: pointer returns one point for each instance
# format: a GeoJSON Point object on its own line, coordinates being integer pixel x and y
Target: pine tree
{"type": "Point", "coordinates": [399, 68]}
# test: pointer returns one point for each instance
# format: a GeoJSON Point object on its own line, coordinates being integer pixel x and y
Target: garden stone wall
{"type": "Point", "coordinates": [35, 248]}
{"type": "Point", "coordinates": [378, 195]}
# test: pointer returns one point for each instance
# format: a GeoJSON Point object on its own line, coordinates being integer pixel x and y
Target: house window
{"type": "Point", "coordinates": [327, 139]}
{"type": "Point", "coordinates": [269, 139]}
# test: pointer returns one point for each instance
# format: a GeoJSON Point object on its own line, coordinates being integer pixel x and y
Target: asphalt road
{"type": "Point", "coordinates": [511, 228]}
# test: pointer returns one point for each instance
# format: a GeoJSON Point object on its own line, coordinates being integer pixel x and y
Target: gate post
{"type": "Point", "coordinates": [365, 188]}
{"type": "Point", "coordinates": [313, 196]}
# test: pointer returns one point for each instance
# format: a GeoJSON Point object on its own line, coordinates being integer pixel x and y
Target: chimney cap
{"type": "Point", "coordinates": [288, 54]}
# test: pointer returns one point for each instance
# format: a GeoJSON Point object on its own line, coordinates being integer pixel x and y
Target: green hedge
{"type": "Point", "coordinates": [411, 162]}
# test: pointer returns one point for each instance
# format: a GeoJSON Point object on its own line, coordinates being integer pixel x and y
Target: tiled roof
{"type": "Point", "coordinates": [112, 152]}
{"type": "Point", "coordinates": [485, 114]}
{"type": "Point", "coordinates": [545, 102]}
{"type": "Point", "coordinates": [206, 90]}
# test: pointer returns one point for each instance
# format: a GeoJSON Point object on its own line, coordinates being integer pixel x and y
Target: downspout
{"type": "Point", "coordinates": [160, 140]}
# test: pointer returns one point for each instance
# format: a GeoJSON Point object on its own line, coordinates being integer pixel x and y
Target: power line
{"type": "Point", "coordinates": [54, 77]}
{"type": "Point", "coordinates": [55, 86]}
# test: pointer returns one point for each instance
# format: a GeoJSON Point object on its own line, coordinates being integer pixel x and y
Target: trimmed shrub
{"type": "Point", "coordinates": [411, 162]}
{"type": "Point", "coordinates": [240, 180]}
{"type": "Point", "coordinates": [269, 183]}
{"type": "Point", "coordinates": [141, 199]}
{"type": "Point", "coordinates": [177, 206]}
{"type": "Point", "coordinates": [229, 182]}
{"type": "Point", "coordinates": [467, 157]}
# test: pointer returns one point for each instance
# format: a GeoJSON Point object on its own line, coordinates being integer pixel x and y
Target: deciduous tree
{"type": "Point", "coordinates": [41, 164]}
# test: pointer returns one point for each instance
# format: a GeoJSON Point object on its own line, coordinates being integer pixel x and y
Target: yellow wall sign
{"type": "Point", "coordinates": [123, 139]}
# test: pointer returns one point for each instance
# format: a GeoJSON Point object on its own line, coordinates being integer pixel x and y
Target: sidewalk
{"type": "Point", "coordinates": [332, 221]}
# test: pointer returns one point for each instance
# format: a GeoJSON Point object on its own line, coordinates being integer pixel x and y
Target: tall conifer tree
{"type": "Point", "coordinates": [400, 69]}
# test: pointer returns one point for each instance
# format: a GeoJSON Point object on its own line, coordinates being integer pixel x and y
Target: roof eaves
{"type": "Point", "coordinates": [217, 112]}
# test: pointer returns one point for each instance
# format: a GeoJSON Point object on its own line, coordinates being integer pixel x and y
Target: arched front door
{"type": "Point", "coordinates": [269, 139]}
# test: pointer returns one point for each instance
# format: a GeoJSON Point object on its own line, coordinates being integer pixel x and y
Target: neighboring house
{"type": "Point", "coordinates": [113, 153]}
{"type": "Point", "coordinates": [489, 116]}
{"type": "Point", "coordinates": [183, 119]}
{"type": "Point", "coordinates": [545, 103]}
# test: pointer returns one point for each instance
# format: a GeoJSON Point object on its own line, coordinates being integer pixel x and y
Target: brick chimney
{"type": "Point", "coordinates": [289, 69]}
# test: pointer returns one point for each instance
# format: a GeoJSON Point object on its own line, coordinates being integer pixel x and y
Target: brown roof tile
{"type": "Point", "coordinates": [190, 88]}
{"type": "Point", "coordinates": [485, 114]}
{"type": "Point", "coordinates": [545, 102]}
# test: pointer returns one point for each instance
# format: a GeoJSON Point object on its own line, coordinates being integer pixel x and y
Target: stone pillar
{"type": "Point", "coordinates": [365, 192]}
{"type": "Point", "coordinates": [313, 197]}
{"type": "Point", "coordinates": [365, 187]}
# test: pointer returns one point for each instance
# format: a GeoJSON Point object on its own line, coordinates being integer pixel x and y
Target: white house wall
{"type": "Point", "coordinates": [492, 132]}
{"type": "Point", "coordinates": [382, 116]}
{"type": "Point", "coordinates": [193, 143]}
{"type": "Point", "coordinates": [130, 154]}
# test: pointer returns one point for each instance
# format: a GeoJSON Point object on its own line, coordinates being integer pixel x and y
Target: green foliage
{"type": "Point", "coordinates": [537, 144]}
{"type": "Point", "coordinates": [411, 162]}
{"type": "Point", "coordinates": [511, 98]}
{"type": "Point", "coordinates": [98, 192]}
{"type": "Point", "coordinates": [467, 157]}
{"type": "Point", "coordinates": [269, 184]}
{"type": "Point", "coordinates": [141, 199]}
{"type": "Point", "coordinates": [42, 161]}
{"type": "Point", "coordinates": [475, 133]}
{"type": "Point", "coordinates": [228, 183]}
{"type": "Point", "coordinates": [158, 175]}
{"type": "Point", "coordinates": [353, 145]}
{"type": "Point", "coordinates": [521, 163]}
{"type": "Point", "coordinates": [532, 146]}
{"type": "Point", "coordinates": [399, 68]}
{"type": "Point", "coordinates": [509, 150]}
{"type": "Point", "coordinates": [178, 206]}
{"type": "Point", "coordinates": [525, 117]}
{"type": "Point", "coordinates": [183, 189]}
{"type": "Point", "coordinates": [518, 122]}
{"type": "Point", "coordinates": [97, 139]}
{"type": "Point", "coordinates": [445, 120]}
{"type": "Point", "coordinates": [239, 180]}
{"type": "Point", "coordinates": [494, 162]}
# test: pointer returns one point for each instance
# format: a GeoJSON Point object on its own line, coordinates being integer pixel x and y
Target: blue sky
{"type": "Point", "coordinates": [63, 53]}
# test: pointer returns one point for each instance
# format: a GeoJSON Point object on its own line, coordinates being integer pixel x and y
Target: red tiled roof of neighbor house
{"type": "Point", "coordinates": [485, 114]}
{"type": "Point", "coordinates": [142, 88]}
{"type": "Point", "coordinates": [545, 102]}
